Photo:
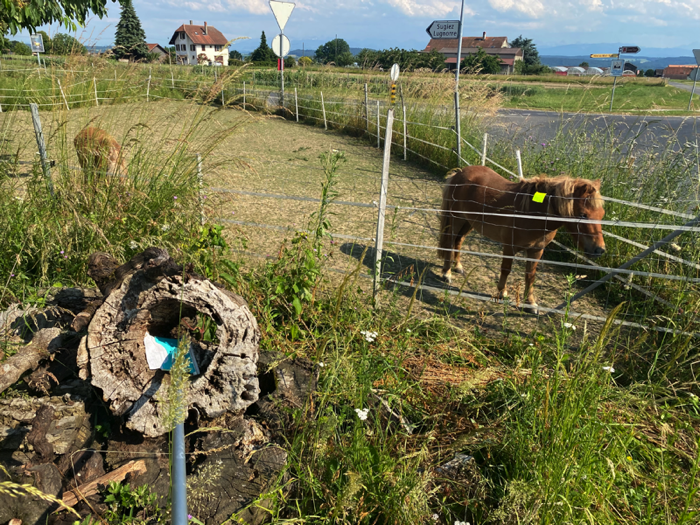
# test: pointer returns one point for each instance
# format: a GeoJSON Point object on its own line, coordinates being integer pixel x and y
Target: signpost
{"type": "Point", "coordinates": [37, 45]}
{"type": "Point", "coordinates": [282, 12]}
{"type": "Point", "coordinates": [458, 124]}
{"type": "Point", "coordinates": [440, 29]}
{"type": "Point", "coordinates": [696, 52]}
{"type": "Point", "coordinates": [629, 50]}
{"type": "Point", "coordinates": [606, 55]}
{"type": "Point", "coordinates": [617, 67]}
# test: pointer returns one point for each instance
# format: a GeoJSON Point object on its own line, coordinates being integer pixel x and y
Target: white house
{"type": "Point", "coordinates": [195, 44]}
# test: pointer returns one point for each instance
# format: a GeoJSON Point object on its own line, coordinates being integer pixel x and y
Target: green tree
{"type": "Point", "coordinates": [29, 14]}
{"type": "Point", "coordinates": [481, 62]}
{"type": "Point", "coordinates": [63, 44]}
{"type": "Point", "coordinates": [368, 58]}
{"type": "Point", "coordinates": [345, 58]}
{"type": "Point", "coordinates": [263, 54]}
{"type": "Point", "coordinates": [332, 50]}
{"type": "Point", "coordinates": [289, 62]}
{"type": "Point", "coordinates": [305, 61]}
{"type": "Point", "coordinates": [20, 48]}
{"type": "Point", "coordinates": [530, 64]}
{"type": "Point", "coordinates": [130, 39]}
{"type": "Point", "coordinates": [235, 55]}
{"type": "Point", "coordinates": [650, 73]}
{"type": "Point", "coordinates": [584, 65]}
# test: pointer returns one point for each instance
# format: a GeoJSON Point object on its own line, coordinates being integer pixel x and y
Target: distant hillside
{"type": "Point", "coordinates": [312, 52]}
{"type": "Point", "coordinates": [640, 61]}
{"type": "Point", "coordinates": [575, 50]}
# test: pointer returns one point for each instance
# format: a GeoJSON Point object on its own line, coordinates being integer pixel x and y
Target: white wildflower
{"type": "Point", "coordinates": [133, 245]}
{"type": "Point", "coordinates": [164, 228]}
{"type": "Point", "coordinates": [609, 369]}
{"type": "Point", "coordinates": [321, 365]}
{"type": "Point", "coordinates": [462, 523]}
{"type": "Point", "coordinates": [409, 331]}
{"type": "Point", "coordinates": [362, 413]}
{"type": "Point", "coordinates": [435, 517]}
{"type": "Point", "coordinates": [369, 336]}
{"type": "Point", "coordinates": [532, 344]}
{"type": "Point", "coordinates": [569, 325]}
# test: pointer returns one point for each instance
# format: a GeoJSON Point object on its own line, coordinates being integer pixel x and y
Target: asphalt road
{"type": "Point", "coordinates": [645, 131]}
{"type": "Point", "coordinates": [684, 87]}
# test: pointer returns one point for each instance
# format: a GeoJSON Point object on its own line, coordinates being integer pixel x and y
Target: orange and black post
{"type": "Point", "coordinates": [393, 93]}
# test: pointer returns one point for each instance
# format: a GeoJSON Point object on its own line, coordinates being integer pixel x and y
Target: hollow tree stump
{"type": "Point", "coordinates": [153, 294]}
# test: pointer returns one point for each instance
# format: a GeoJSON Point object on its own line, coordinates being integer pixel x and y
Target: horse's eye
{"type": "Point", "coordinates": [584, 216]}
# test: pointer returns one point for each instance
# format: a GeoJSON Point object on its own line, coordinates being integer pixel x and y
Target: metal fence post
{"type": "Point", "coordinates": [692, 91]}
{"type": "Point", "coordinates": [296, 104]}
{"type": "Point", "coordinates": [223, 101]}
{"type": "Point", "coordinates": [243, 95]}
{"type": "Point", "coordinates": [172, 78]}
{"type": "Point", "coordinates": [323, 107]}
{"type": "Point", "coordinates": [379, 127]}
{"type": "Point", "coordinates": [379, 241]}
{"type": "Point", "coordinates": [179, 503]}
{"type": "Point", "coordinates": [520, 164]}
{"type": "Point", "coordinates": [483, 155]}
{"type": "Point", "coordinates": [405, 135]}
{"type": "Point", "coordinates": [94, 84]}
{"type": "Point", "coordinates": [45, 165]}
{"type": "Point", "coordinates": [148, 88]}
{"type": "Point", "coordinates": [63, 94]}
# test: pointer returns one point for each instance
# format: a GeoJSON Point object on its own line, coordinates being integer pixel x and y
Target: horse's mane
{"type": "Point", "coordinates": [562, 188]}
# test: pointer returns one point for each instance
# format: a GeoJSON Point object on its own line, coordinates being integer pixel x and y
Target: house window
{"type": "Point", "coordinates": [204, 48]}
{"type": "Point", "coordinates": [217, 48]}
{"type": "Point", "coordinates": [193, 47]}
{"type": "Point", "coordinates": [194, 58]}
{"type": "Point", "coordinates": [182, 36]}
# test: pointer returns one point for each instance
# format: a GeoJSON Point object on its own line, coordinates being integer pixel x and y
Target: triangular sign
{"type": "Point", "coordinates": [696, 52]}
{"type": "Point", "coordinates": [282, 12]}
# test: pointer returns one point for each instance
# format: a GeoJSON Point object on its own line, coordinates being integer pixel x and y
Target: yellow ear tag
{"type": "Point", "coordinates": [538, 197]}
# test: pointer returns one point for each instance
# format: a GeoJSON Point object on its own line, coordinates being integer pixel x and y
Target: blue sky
{"type": "Point", "coordinates": [401, 23]}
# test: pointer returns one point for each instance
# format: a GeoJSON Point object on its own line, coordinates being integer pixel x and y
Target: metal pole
{"type": "Point", "coordinates": [62, 94]}
{"type": "Point", "coordinates": [148, 88]}
{"type": "Point", "coordinates": [613, 93]}
{"type": "Point", "coordinates": [520, 164]}
{"type": "Point", "coordinates": [636, 258]}
{"type": "Point", "coordinates": [366, 108]}
{"type": "Point", "coordinates": [94, 84]}
{"type": "Point", "coordinates": [223, 101]}
{"type": "Point", "coordinates": [45, 165]}
{"type": "Point", "coordinates": [179, 503]}
{"type": "Point", "coordinates": [483, 155]}
{"type": "Point", "coordinates": [200, 179]}
{"type": "Point", "coordinates": [282, 68]}
{"type": "Point", "coordinates": [172, 79]}
{"type": "Point", "coordinates": [379, 127]}
{"type": "Point", "coordinates": [38, 58]}
{"type": "Point", "coordinates": [458, 125]}
{"type": "Point", "coordinates": [405, 134]}
{"type": "Point", "coordinates": [296, 104]}
{"type": "Point", "coordinates": [243, 95]}
{"type": "Point", "coordinates": [382, 201]}
{"type": "Point", "coordinates": [323, 106]}
{"type": "Point", "coordinates": [692, 91]}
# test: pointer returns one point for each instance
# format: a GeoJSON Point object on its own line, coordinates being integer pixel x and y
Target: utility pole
{"type": "Point", "coordinates": [458, 126]}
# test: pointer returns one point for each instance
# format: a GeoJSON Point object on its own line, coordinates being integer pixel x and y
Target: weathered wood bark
{"type": "Point", "coordinates": [88, 489]}
{"type": "Point", "coordinates": [152, 294]}
{"type": "Point", "coordinates": [28, 358]}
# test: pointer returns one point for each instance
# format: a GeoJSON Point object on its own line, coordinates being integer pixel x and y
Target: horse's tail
{"type": "Point", "coordinates": [446, 221]}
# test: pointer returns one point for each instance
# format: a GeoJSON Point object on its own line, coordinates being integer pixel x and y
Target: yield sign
{"type": "Point", "coordinates": [696, 52]}
{"type": "Point", "coordinates": [282, 12]}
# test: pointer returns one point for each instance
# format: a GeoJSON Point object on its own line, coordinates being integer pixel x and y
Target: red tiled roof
{"type": "Point", "coordinates": [196, 34]}
{"type": "Point", "coordinates": [467, 41]}
{"type": "Point", "coordinates": [151, 47]}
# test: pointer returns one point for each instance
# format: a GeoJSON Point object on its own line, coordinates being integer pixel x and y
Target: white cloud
{"type": "Point", "coordinates": [532, 8]}
{"type": "Point", "coordinates": [257, 7]}
{"type": "Point", "coordinates": [426, 7]}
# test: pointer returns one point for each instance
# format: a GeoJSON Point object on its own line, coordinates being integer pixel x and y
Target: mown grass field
{"type": "Point", "coordinates": [550, 420]}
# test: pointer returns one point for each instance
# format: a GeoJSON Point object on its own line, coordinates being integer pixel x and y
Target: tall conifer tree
{"type": "Point", "coordinates": [130, 39]}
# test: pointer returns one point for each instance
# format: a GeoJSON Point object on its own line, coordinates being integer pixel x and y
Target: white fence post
{"type": "Point", "coordinates": [405, 134]}
{"type": "Point", "coordinates": [379, 241]}
{"type": "Point", "coordinates": [94, 84]}
{"type": "Point", "coordinates": [296, 104]}
{"type": "Point", "coordinates": [45, 165]}
{"type": "Point", "coordinates": [148, 88]}
{"type": "Point", "coordinates": [366, 108]}
{"type": "Point", "coordinates": [520, 164]}
{"type": "Point", "coordinates": [323, 106]}
{"type": "Point", "coordinates": [62, 94]}
{"type": "Point", "coordinates": [379, 145]}
{"type": "Point", "coordinates": [200, 179]}
{"type": "Point", "coordinates": [243, 95]}
{"type": "Point", "coordinates": [172, 78]}
{"type": "Point", "coordinates": [483, 155]}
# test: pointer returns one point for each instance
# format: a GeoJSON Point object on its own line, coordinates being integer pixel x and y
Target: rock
{"type": "Point", "coordinates": [31, 510]}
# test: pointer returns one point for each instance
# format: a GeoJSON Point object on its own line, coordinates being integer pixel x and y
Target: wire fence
{"type": "Point", "coordinates": [415, 228]}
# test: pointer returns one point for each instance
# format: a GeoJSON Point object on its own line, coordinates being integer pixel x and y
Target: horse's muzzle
{"type": "Point", "coordinates": [599, 250]}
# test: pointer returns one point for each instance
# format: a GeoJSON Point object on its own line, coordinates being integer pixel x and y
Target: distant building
{"type": "Point", "coordinates": [195, 44]}
{"type": "Point", "coordinates": [679, 72]}
{"type": "Point", "coordinates": [159, 50]}
{"type": "Point", "coordinates": [594, 71]}
{"type": "Point", "coordinates": [492, 45]}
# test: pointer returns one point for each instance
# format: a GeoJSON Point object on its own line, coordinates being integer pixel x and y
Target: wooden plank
{"type": "Point", "coordinates": [73, 496]}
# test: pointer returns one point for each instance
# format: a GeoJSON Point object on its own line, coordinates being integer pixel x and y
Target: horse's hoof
{"type": "Point", "coordinates": [459, 270]}
{"type": "Point", "coordinates": [531, 307]}
{"type": "Point", "coordinates": [447, 278]}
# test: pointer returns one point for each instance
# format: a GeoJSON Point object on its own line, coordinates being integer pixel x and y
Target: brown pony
{"type": "Point", "coordinates": [99, 153]}
{"type": "Point", "coordinates": [484, 195]}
